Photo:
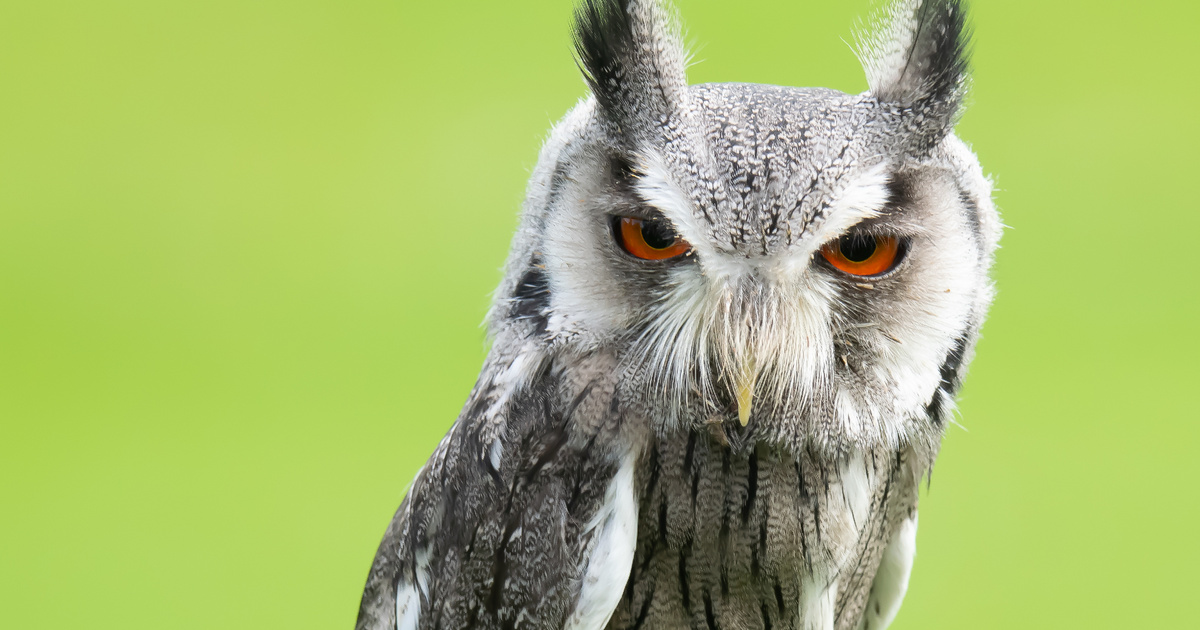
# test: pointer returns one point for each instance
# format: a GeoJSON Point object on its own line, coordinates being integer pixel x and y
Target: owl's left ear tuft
{"type": "Point", "coordinates": [919, 60]}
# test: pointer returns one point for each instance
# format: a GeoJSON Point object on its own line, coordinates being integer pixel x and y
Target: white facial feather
{"type": "Point", "coordinates": [871, 365]}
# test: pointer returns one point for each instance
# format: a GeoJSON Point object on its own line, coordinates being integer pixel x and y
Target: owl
{"type": "Point", "coordinates": [725, 350]}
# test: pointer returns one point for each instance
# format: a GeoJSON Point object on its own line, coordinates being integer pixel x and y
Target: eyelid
{"type": "Point", "coordinates": [629, 236]}
{"type": "Point", "coordinates": [880, 263]}
{"type": "Point", "coordinates": [640, 212]}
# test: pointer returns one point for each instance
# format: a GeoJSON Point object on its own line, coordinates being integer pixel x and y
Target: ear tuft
{"type": "Point", "coordinates": [919, 59]}
{"type": "Point", "coordinates": [604, 42]}
{"type": "Point", "coordinates": [631, 56]}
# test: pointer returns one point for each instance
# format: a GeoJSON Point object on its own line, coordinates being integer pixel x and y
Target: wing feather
{"type": "Point", "coordinates": [611, 558]}
{"type": "Point", "coordinates": [891, 581]}
{"type": "Point", "coordinates": [526, 514]}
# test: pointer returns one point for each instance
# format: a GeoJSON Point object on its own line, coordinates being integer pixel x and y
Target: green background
{"type": "Point", "coordinates": [245, 248]}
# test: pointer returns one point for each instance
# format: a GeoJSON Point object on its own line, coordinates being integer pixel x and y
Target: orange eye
{"type": "Point", "coordinates": [649, 239]}
{"type": "Point", "coordinates": [863, 254]}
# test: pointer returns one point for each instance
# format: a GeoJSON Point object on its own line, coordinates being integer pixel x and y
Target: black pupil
{"type": "Point", "coordinates": [658, 233]}
{"type": "Point", "coordinates": [857, 247]}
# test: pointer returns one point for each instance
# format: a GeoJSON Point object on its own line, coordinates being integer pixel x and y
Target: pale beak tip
{"type": "Point", "coordinates": [745, 402]}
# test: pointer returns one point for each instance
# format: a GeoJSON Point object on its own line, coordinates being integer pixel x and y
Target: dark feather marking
{"type": "Point", "coordinates": [500, 564]}
{"type": "Point", "coordinates": [604, 40]}
{"type": "Point", "coordinates": [440, 614]}
{"type": "Point", "coordinates": [662, 518]}
{"type": "Point", "coordinates": [551, 444]}
{"type": "Point", "coordinates": [577, 400]}
{"type": "Point", "coordinates": [804, 497]}
{"type": "Point", "coordinates": [900, 193]}
{"type": "Point", "coordinates": [553, 441]}
{"type": "Point", "coordinates": [761, 547]}
{"type": "Point", "coordinates": [492, 471]}
{"type": "Point", "coordinates": [816, 507]}
{"type": "Point", "coordinates": [685, 590]}
{"type": "Point", "coordinates": [531, 299]}
{"type": "Point", "coordinates": [762, 533]}
{"type": "Point", "coordinates": [471, 544]}
{"type": "Point", "coordinates": [949, 383]}
{"type": "Point", "coordinates": [971, 211]}
{"type": "Point", "coordinates": [803, 198]}
{"type": "Point", "coordinates": [766, 616]}
{"type": "Point", "coordinates": [723, 537]}
{"type": "Point", "coordinates": [690, 453]}
{"type": "Point", "coordinates": [804, 544]}
{"type": "Point", "coordinates": [751, 488]}
{"type": "Point", "coordinates": [815, 501]}
{"type": "Point", "coordinates": [945, 66]}
{"type": "Point", "coordinates": [650, 555]}
{"type": "Point", "coordinates": [645, 610]}
{"type": "Point", "coordinates": [930, 87]}
{"type": "Point", "coordinates": [803, 487]}
{"type": "Point", "coordinates": [581, 481]}
{"type": "Point", "coordinates": [755, 563]}
{"type": "Point", "coordinates": [472, 617]}
{"type": "Point", "coordinates": [779, 597]}
{"type": "Point", "coordinates": [577, 493]}
{"type": "Point", "coordinates": [933, 410]}
{"type": "Point", "coordinates": [655, 471]}
{"type": "Point", "coordinates": [708, 612]}
{"type": "Point", "coordinates": [688, 460]}
{"type": "Point", "coordinates": [412, 547]}
{"type": "Point", "coordinates": [826, 203]}
{"type": "Point", "coordinates": [625, 178]}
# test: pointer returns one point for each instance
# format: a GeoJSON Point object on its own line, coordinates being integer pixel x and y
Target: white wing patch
{"type": "Point", "coordinates": [891, 582]}
{"type": "Point", "coordinates": [608, 566]}
{"type": "Point", "coordinates": [408, 607]}
{"type": "Point", "coordinates": [408, 596]}
{"type": "Point", "coordinates": [818, 601]}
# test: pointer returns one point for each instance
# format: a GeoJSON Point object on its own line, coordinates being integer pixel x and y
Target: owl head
{"type": "Point", "coordinates": [791, 264]}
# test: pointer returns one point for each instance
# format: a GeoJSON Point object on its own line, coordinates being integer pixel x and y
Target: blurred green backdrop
{"type": "Point", "coordinates": [245, 248]}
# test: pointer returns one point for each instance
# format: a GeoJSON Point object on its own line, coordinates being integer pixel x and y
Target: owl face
{"type": "Point", "coordinates": [800, 265]}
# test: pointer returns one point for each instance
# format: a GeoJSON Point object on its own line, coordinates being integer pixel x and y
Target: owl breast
{"type": "Point", "coordinates": [754, 536]}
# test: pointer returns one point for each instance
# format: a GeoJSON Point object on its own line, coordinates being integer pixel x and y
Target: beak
{"type": "Point", "coordinates": [745, 392]}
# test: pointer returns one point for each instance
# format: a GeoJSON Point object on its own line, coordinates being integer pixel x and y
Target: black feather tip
{"type": "Point", "coordinates": [604, 42]}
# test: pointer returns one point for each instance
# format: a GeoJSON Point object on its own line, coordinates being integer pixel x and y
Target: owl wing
{"type": "Point", "coordinates": [525, 513]}
{"type": "Point", "coordinates": [891, 580]}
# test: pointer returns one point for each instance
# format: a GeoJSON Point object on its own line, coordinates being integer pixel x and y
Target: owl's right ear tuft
{"type": "Point", "coordinates": [631, 56]}
{"type": "Point", "coordinates": [604, 41]}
